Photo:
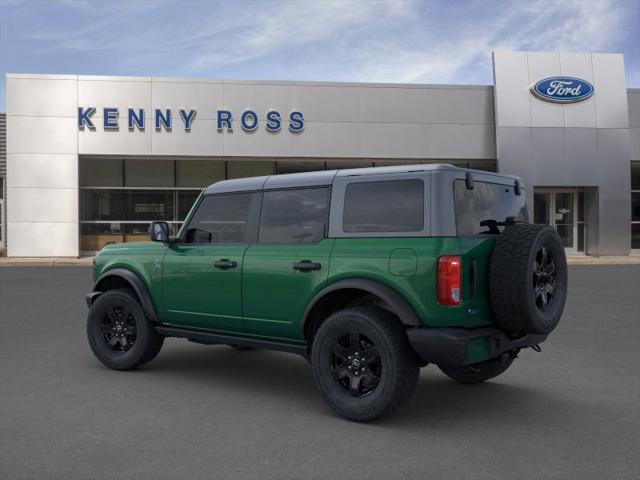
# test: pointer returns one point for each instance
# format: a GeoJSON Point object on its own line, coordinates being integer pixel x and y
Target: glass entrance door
{"type": "Point", "coordinates": [558, 208]}
{"type": "Point", "coordinates": [564, 218]}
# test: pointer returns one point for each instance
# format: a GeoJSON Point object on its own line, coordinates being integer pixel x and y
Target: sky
{"type": "Point", "coordinates": [403, 41]}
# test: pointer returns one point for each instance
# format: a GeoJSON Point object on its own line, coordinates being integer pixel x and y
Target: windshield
{"type": "Point", "coordinates": [487, 201]}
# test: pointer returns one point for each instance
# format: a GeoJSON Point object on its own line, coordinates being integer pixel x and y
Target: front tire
{"type": "Point", "coordinates": [480, 372]}
{"type": "Point", "coordinates": [363, 364]}
{"type": "Point", "coordinates": [119, 333]}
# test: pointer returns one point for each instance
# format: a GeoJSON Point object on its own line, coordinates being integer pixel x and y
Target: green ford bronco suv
{"type": "Point", "coordinates": [368, 273]}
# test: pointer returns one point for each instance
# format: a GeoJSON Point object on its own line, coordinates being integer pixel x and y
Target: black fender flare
{"type": "Point", "coordinates": [136, 284]}
{"type": "Point", "coordinates": [398, 304]}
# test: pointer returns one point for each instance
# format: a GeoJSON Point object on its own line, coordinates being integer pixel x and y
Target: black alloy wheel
{"type": "Point", "coordinates": [362, 363]}
{"type": "Point", "coordinates": [119, 333]}
{"type": "Point", "coordinates": [528, 279]}
{"type": "Point", "coordinates": [544, 281]}
{"type": "Point", "coordinates": [119, 329]}
{"type": "Point", "coordinates": [356, 364]}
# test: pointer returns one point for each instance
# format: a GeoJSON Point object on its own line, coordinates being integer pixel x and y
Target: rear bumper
{"type": "Point", "coordinates": [456, 347]}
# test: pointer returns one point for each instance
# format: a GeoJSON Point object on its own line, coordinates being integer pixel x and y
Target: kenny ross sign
{"type": "Point", "coordinates": [162, 119]}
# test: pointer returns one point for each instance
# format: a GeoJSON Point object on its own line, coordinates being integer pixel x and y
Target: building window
{"type": "Point", "coordinates": [635, 205]}
{"type": "Point", "coordinates": [119, 198]}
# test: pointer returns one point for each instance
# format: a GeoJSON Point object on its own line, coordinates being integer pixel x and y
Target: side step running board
{"type": "Point", "coordinates": [211, 338]}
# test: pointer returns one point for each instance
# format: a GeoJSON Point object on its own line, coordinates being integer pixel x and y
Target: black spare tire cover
{"type": "Point", "coordinates": [528, 279]}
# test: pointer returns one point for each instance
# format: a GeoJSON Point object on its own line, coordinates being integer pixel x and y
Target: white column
{"type": "Point", "coordinates": [42, 166]}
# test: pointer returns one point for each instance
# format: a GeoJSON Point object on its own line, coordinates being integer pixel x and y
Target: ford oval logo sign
{"type": "Point", "coordinates": [562, 89]}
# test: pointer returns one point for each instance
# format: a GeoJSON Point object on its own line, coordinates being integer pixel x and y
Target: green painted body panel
{"type": "Point", "coordinates": [378, 259]}
{"type": "Point", "coordinates": [265, 297]}
{"type": "Point", "coordinates": [138, 257]}
{"type": "Point", "coordinates": [274, 295]}
{"type": "Point", "coordinates": [477, 249]}
{"type": "Point", "coordinates": [196, 293]}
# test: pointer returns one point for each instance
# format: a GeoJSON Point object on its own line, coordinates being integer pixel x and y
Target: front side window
{"type": "Point", "coordinates": [487, 201]}
{"type": "Point", "coordinates": [227, 218]}
{"type": "Point", "coordinates": [294, 216]}
{"type": "Point", "coordinates": [384, 206]}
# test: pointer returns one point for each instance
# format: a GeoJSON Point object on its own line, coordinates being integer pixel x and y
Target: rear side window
{"type": "Point", "coordinates": [384, 206]}
{"type": "Point", "coordinates": [487, 201]}
{"type": "Point", "coordinates": [294, 216]}
{"type": "Point", "coordinates": [227, 218]}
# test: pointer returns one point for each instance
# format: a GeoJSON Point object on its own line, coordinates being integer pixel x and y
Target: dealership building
{"type": "Point", "coordinates": [93, 159]}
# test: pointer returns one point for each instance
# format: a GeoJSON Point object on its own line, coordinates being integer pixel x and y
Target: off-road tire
{"type": "Point", "coordinates": [397, 367]}
{"type": "Point", "coordinates": [479, 372]}
{"type": "Point", "coordinates": [146, 344]}
{"type": "Point", "coordinates": [515, 276]}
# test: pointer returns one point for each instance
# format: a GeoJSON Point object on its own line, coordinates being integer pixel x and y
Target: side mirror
{"type": "Point", "coordinates": [159, 232]}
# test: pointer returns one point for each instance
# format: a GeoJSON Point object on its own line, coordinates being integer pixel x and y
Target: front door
{"type": "Point", "coordinates": [202, 272]}
{"type": "Point", "coordinates": [202, 285]}
{"type": "Point", "coordinates": [289, 263]}
{"type": "Point", "coordinates": [558, 208]}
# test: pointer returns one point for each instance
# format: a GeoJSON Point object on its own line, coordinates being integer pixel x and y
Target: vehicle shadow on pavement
{"type": "Point", "coordinates": [437, 402]}
{"type": "Point", "coordinates": [256, 372]}
{"type": "Point", "coordinates": [441, 402]}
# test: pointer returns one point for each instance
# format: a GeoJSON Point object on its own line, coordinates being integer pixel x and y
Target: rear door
{"type": "Point", "coordinates": [289, 263]}
{"type": "Point", "coordinates": [202, 274]}
{"type": "Point", "coordinates": [487, 200]}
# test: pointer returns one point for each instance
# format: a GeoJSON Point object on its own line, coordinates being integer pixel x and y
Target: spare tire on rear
{"type": "Point", "coordinates": [528, 279]}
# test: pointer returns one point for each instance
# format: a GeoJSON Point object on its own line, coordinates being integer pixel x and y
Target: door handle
{"type": "Point", "coordinates": [306, 266]}
{"type": "Point", "coordinates": [225, 264]}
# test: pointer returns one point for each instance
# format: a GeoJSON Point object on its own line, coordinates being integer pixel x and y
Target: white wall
{"type": "Point", "coordinates": [350, 120]}
{"type": "Point", "coordinates": [42, 166]}
{"type": "Point", "coordinates": [342, 120]}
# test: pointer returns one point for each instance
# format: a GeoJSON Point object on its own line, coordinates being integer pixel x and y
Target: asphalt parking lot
{"type": "Point", "coordinates": [198, 412]}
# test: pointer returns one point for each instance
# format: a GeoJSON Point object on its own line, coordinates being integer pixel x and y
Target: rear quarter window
{"type": "Point", "coordinates": [384, 206]}
{"type": "Point", "coordinates": [487, 201]}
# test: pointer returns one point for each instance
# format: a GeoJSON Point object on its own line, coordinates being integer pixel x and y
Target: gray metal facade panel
{"type": "Point", "coordinates": [3, 145]}
{"type": "Point", "coordinates": [585, 144]}
{"type": "Point", "coordinates": [614, 226]}
{"type": "Point", "coordinates": [613, 162]}
{"type": "Point", "coordinates": [549, 156]}
{"type": "Point", "coordinates": [634, 143]}
{"type": "Point", "coordinates": [582, 156]}
{"type": "Point", "coordinates": [633, 98]}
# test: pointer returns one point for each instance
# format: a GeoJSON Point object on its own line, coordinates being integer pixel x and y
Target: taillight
{"type": "Point", "coordinates": [449, 280]}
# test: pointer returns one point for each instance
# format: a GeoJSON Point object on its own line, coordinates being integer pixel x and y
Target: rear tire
{"type": "Point", "coordinates": [480, 372]}
{"type": "Point", "coordinates": [363, 364]}
{"type": "Point", "coordinates": [119, 333]}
